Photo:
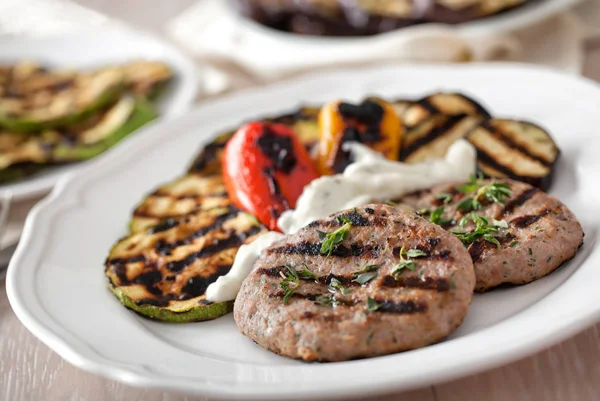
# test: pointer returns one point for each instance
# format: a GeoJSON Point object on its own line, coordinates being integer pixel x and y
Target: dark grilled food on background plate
{"type": "Point", "coordinates": [162, 272]}
{"type": "Point", "coordinates": [50, 117]}
{"type": "Point", "coordinates": [515, 233]}
{"type": "Point", "coordinates": [365, 17]}
{"type": "Point", "coordinates": [394, 282]}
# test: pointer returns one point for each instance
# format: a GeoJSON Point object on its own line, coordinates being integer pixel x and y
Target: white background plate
{"type": "Point", "coordinates": [93, 49]}
{"type": "Point", "coordinates": [57, 288]}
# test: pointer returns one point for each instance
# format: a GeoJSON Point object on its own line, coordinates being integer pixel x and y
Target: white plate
{"type": "Point", "coordinates": [57, 288]}
{"type": "Point", "coordinates": [91, 49]}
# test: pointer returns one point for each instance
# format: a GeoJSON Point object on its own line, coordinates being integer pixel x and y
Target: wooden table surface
{"type": "Point", "coordinates": [29, 371]}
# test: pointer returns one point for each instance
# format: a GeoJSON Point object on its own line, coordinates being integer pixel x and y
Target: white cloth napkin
{"type": "Point", "coordinates": [216, 34]}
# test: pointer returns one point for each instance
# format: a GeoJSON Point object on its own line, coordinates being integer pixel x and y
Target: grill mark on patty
{"type": "Point", "coordinates": [478, 246]}
{"type": "Point", "coordinates": [355, 219]}
{"type": "Point", "coordinates": [401, 307]}
{"type": "Point", "coordinates": [165, 247]}
{"type": "Point", "coordinates": [437, 284]}
{"type": "Point", "coordinates": [529, 219]}
{"type": "Point", "coordinates": [311, 249]}
{"type": "Point", "coordinates": [312, 297]}
{"type": "Point", "coordinates": [519, 200]}
{"type": "Point", "coordinates": [221, 244]}
{"type": "Point", "coordinates": [447, 125]}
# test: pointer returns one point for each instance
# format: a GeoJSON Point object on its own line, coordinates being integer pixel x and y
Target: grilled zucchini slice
{"type": "Point", "coordinates": [163, 272]}
{"type": "Point", "coordinates": [146, 78]}
{"type": "Point", "coordinates": [20, 171]}
{"type": "Point", "coordinates": [20, 152]}
{"type": "Point", "coordinates": [516, 149]}
{"type": "Point", "coordinates": [192, 192]}
{"type": "Point", "coordinates": [38, 100]}
{"type": "Point", "coordinates": [433, 137]}
{"type": "Point", "coordinates": [303, 122]}
{"type": "Point", "coordinates": [450, 104]}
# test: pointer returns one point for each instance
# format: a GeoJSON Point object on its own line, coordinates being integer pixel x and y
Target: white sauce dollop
{"type": "Point", "coordinates": [226, 287]}
{"type": "Point", "coordinates": [370, 178]}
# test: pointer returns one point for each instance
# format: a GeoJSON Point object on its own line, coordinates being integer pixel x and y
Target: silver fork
{"type": "Point", "coordinates": [5, 253]}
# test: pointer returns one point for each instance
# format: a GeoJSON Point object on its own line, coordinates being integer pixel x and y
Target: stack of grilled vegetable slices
{"type": "Point", "coordinates": [185, 234]}
{"type": "Point", "coordinates": [55, 117]}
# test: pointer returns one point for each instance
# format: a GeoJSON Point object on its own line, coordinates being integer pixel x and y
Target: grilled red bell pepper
{"type": "Point", "coordinates": [265, 169]}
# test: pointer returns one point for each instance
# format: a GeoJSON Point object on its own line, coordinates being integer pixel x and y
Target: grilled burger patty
{"type": "Point", "coordinates": [395, 282]}
{"type": "Point", "coordinates": [541, 232]}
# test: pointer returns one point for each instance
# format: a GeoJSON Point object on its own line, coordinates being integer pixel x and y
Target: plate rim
{"type": "Point", "coordinates": [180, 101]}
{"type": "Point", "coordinates": [70, 353]}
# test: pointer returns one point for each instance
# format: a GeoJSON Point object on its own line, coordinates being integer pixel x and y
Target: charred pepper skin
{"type": "Point", "coordinates": [373, 122]}
{"type": "Point", "coordinates": [265, 168]}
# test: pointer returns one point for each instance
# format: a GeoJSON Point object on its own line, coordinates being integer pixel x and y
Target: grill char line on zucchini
{"type": "Point", "coordinates": [163, 272]}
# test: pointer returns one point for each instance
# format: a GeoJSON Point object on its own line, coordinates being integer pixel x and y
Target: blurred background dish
{"type": "Point", "coordinates": [128, 80]}
{"type": "Point", "coordinates": [366, 17]}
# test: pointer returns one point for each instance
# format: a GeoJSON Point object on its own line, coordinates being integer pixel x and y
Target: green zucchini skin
{"type": "Point", "coordinates": [142, 113]}
{"type": "Point", "coordinates": [196, 314]}
{"type": "Point", "coordinates": [20, 171]}
{"type": "Point", "coordinates": [27, 125]}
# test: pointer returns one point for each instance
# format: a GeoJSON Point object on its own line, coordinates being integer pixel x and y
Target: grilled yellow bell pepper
{"type": "Point", "coordinates": [373, 123]}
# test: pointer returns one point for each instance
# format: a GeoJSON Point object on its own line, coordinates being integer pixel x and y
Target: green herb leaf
{"type": "Point", "coordinates": [367, 268]}
{"type": "Point", "coordinates": [306, 274]}
{"type": "Point", "coordinates": [494, 192]}
{"type": "Point", "coordinates": [330, 240]}
{"type": "Point", "coordinates": [290, 283]}
{"type": "Point", "coordinates": [403, 264]}
{"type": "Point", "coordinates": [482, 230]}
{"type": "Point", "coordinates": [336, 285]}
{"type": "Point", "coordinates": [445, 197]}
{"type": "Point", "coordinates": [468, 204]}
{"type": "Point", "coordinates": [326, 300]}
{"type": "Point", "coordinates": [372, 305]}
{"type": "Point", "coordinates": [364, 278]}
{"type": "Point", "coordinates": [322, 235]}
{"type": "Point", "coordinates": [415, 253]}
{"type": "Point", "coordinates": [344, 219]}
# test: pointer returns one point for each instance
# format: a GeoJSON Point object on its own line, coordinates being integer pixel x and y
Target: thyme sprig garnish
{"type": "Point", "coordinates": [327, 300]}
{"type": "Point", "coordinates": [330, 240]}
{"type": "Point", "coordinates": [291, 281]}
{"type": "Point", "coordinates": [366, 274]}
{"type": "Point", "coordinates": [435, 216]}
{"type": "Point", "coordinates": [372, 305]}
{"type": "Point", "coordinates": [483, 229]}
{"type": "Point", "coordinates": [336, 285]}
{"type": "Point", "coordinates": [494, 192]}
{"type": "Point", "coordinates": [406, 261]}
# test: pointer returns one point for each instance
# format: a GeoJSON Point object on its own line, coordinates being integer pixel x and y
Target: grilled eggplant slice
{"type": "Point", "coordinates": [433, 137]}
{"type": "Point", "coordinates": [190, 193]}
{"type": "Point", "coordinates": [303, 122]}
{"type": "Point", "coordinates": [20, 152]}
{"type": "Point", "coordinates": [450, 104]}
{"type": "Point", "coordinates": [515, 149]}
{"type": "Point", "coordinates": [163, 272]}
{"type": "Point", "coordinates": [39, 100]}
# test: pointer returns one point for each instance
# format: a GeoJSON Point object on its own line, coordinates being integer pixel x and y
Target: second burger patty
{"type": "Point", "coordinates": [363, 282]}
{"type": "Point", "coordinates": [533, 235]}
